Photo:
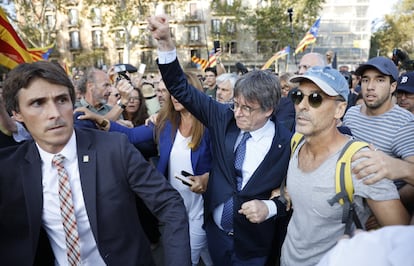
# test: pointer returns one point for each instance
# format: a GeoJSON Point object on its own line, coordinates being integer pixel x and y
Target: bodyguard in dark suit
{"type": "Point", "coordinates": [248, 240]}
{"type": "Point", "coordinates": [102, 172]}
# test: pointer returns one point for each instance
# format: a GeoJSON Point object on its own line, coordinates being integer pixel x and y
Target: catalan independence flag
{"type": "Point", "coordinates": [200, 61]}
{"type": "Point", "coordinates": [39, 54]}
{"type": "Point", "coordinates": [310, 37]}
{"type": "Point", "coordinates": [12, 50]}
{"type": "Point", "coordinates": [285, 51]}
{"type": "Point", "coordinates": [212, 60]}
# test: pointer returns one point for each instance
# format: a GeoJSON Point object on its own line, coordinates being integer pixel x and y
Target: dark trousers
{"type": "Point", "coordinates": [221, 248]}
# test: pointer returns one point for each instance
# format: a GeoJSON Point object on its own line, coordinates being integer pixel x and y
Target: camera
{"type": "Point", "coordinates": [120, 68]}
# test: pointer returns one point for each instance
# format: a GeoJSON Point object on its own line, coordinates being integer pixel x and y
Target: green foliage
{"type": "Point", "coordinates": [270, 23]}
{"type": "Point", "coordinates": [396, 32]}
{"type": "Point", "coordinates": [37, 21]}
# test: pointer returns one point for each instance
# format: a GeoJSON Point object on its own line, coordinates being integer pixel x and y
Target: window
{"type": "Point", "coordinates": [170, 10]}
{"type": "Point", "coordinates": [230, 47]}
{"type": "Point", "coordinates": [97, 38]}
{"type": "Point", "coordinates": [193, 10]}
{"type": "Point", "coordinates": [146, 57]}
{"type": "Point", "coordinates": [215, 26]}
{"type": "Point", "coordinates": [119, 38]}
{"type": "Point", "coordinates": [73, 17]}
{"type": "Point", "coordinates": [230, 26]}
{"type": "Point", "coordinates": [194, 34]}
{"type": "Point", "coordinates": [96, 16]}
{"type": "Point", "coordinates": [50, 21]}
{"type": "Point", "coordinates": [74, 40]}
{"type": "Point", "coordinates": [338, 40]}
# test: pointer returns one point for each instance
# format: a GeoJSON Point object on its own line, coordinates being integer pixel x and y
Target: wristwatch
{"type": "Point", "coordinates": [123, 106]}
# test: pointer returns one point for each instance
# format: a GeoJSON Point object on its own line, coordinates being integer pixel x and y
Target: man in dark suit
{"type": "Point", "coordinates": [247, 239]}
{"type": "Point", "coordinates": [98, 179]}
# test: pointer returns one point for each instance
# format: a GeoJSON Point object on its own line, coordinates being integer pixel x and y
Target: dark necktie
{"type": "Point", "coordinates": [67, 211]}
{"type": "Point", "coordinates": [227, 215]}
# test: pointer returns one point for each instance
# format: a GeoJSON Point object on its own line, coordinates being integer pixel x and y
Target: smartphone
{"type": "Point", "coordinates": [141, 68]}
{"type": "Point", "coordinates": [185, 173]}
{"type": "Point", "coordinates": [216, 46]}
{"type": "Point", "coordinates": [186, 181]}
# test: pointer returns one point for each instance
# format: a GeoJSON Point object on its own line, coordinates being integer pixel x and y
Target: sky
{"type": "Point", "coordinates": [381, 7]}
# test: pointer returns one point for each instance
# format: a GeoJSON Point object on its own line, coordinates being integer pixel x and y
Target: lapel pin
{"type": "Point", "coordinates": [85, 158]}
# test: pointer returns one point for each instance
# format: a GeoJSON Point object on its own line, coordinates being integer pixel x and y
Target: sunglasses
{"type": "Point", "coordinates": [315, 99]}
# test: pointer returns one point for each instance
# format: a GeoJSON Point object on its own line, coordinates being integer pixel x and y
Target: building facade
{"type": "Point", "coordinates": [88, 32]}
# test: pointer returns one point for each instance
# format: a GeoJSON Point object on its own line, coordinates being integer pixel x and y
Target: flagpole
{"type": "Point", "coordinates": [290, 12]}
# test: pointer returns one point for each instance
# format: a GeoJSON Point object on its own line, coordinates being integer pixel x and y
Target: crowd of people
{"type": "Point", "coordinates": [102, 168]}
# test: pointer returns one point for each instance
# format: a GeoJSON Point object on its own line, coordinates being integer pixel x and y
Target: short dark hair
{"type": "Point", "coordinates": [24, 74]}
{"type": "Point", "coordinates": [211, 69]}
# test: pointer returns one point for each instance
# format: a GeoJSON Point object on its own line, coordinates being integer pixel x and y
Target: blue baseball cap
{"type": "Point", "coordinates": [383, 64]}
{"type": "Point", "coordinates": [329, 80]}
{"type": "Point", "coordinates": [406, 82]}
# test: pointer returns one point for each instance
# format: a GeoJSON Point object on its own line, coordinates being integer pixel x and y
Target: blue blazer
{"type": "Point", "coordinates": [250, 240]}
{"type": "Point", "coordinates": [200, 158]}
{"type": "Point", "coordinates": [111, 177]}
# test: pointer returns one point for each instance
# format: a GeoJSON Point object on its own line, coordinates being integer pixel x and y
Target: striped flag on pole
{"type": "Point", "coordinates": [285, 51]}
{"type": "Point", "coordinates": [310, 37]}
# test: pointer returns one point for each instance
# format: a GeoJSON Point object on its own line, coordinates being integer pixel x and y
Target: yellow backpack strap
{"type": "Point", "coordinates": [343, 175]}
{"type": "Point", "coordinates": [294, 142]}
{"type": "Point", "coordinates": [344, 186]}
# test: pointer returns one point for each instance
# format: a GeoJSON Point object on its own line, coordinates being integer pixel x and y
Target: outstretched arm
{"type": "Point", "coordinates": [160, 30]}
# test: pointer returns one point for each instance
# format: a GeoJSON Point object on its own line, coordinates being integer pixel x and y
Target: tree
{"type": "Point", "coordinates": [271, 22]}
{"type": "Point", "coordinates": [396, 32]}
{"type": "Point", "coordinates": [36, 21]}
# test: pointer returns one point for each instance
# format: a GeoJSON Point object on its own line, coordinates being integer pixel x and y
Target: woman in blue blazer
{"type": "Point", "coordinates": [183, 145]}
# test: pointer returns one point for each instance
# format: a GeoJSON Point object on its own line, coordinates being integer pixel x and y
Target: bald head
{"type": "Point", "coordinates": [309, 60]}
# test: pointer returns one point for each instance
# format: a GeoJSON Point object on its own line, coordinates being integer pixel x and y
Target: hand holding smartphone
{"type": "Point", "coordinates": [186, 181]}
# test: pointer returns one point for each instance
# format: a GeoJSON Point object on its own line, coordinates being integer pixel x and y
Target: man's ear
{"type": "Point", "coordinates": [340, 110]}
{"type": "Point", "coordinates": [17, 116]}
{"type": "Point", "coordinates": [393, 86]}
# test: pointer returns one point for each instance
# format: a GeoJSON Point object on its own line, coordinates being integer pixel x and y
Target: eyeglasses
{"type": "Point", "coordinates": [315, 99]}
{"type": "Point", "coordinates": [246, 110]}
{"type": "Point", "coordinates": [136, 98]}
{"type": "Point", "coordinates": [406, 94]}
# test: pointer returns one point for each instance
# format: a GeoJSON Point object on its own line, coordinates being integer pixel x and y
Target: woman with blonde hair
{"type": "Point", "coordinates": [184, 146]}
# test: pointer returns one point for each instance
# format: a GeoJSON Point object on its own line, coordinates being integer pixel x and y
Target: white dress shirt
{"type": "Point", "coordinates": [256, 149]}
{"type": "Point", "coordinates": [51, 217]}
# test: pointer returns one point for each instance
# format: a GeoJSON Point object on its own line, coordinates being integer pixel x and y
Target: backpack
{"type": "Point", "coordinates": [343, 181]}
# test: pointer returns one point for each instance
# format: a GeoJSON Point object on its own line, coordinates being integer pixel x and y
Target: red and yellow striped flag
{"type": "Point", "coordinates": [200, 61]}
{"type": "Point", "coordinates": [12, 50]}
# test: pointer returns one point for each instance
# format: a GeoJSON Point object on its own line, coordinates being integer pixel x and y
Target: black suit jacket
{"type": "Point", "coordinates": [111, 176]}
{"type": "Point", "coordinates": [250, 240]}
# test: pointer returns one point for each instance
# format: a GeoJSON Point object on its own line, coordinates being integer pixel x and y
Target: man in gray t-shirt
{"type": "Point", "coordinates": [315, 225]}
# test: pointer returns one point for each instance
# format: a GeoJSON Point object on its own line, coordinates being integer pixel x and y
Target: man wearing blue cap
{"type": "Point", "coordinates": [385, 125]}
{"type": "Point", "coordinates": [405, 91]}
{"type": "Point", "coordinates": [315, 226]}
